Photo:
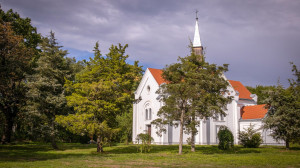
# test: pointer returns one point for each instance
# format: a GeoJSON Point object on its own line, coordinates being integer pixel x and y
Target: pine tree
{"type": "Point", "coordinates": [100, 93]}
{"type": "Point", "coordinates": [195, 90]}
{"type": "Point", "coordinates": [46, 87]}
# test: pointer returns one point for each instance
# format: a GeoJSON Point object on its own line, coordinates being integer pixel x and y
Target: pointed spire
{"type": "Point", "coordinates": [197, 41]}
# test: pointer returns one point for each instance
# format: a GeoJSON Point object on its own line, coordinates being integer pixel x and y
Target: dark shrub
{"type": "Point", "coordinates": [225, 138]}
{"type": "Point", "coordinates": [250, 138]}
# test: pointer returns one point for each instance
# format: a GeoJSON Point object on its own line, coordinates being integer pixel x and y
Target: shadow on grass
{"type": "Point", "coordinates": [203, 149]}
{"type": "Point", "coordinates": [46, 147]}
{"type": "Point", "coordinates": [38, 152]}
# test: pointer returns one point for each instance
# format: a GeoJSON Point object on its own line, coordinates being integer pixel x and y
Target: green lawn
{"type": "Point", "coordinates": [79, 155]}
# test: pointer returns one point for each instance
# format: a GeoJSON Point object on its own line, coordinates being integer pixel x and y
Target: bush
{"type": "Point", "coordinates": [225, 138]}
{"type": "Point", "coordinates": [146, 140]}
{"type": "Point", "coordinates": [250, 138]}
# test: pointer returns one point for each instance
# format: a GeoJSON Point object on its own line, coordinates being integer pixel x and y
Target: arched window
{"type": "Point", "coordinates": [148, 113]}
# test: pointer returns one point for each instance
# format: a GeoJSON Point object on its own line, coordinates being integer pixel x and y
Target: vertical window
{"type": "Point", "coordinates": [217, 117]}
{"type": "Point", "coordinates": [222, 117]}
{"type": "Point", "coordinates": [148, 89]}
{"type": "Point", "coordinates": [148, 112]}
{"type": "Point", "coordinates": [217, 130]}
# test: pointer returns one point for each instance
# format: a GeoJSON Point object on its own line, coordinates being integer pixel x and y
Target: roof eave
{"type": "Point", "coordinates": [247, 120]}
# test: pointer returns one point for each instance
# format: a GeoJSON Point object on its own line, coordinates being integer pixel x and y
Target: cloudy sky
{"type": "Point", "coordinates": [257, 38]}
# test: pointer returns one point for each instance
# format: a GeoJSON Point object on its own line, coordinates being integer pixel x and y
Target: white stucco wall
{"type": "Point", "coordinates": [149, 99]}
{"type": "Point", "coordinates": [258, 125]}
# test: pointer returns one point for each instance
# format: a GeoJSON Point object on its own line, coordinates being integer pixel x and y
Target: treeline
{"type": "Point", "coordinates": [47, 96]}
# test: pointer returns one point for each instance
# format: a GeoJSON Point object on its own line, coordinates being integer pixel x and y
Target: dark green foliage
{"type": "Point", "coordinates": [145, 140]}
{"type": "Point", "coordinates": [22, 27]}
{"type": "Point", "coordinates": [225, 138]}
{"type": "Point", "coordinates": [250, 138]}
{"type": "Point", "coordinates": [19, 41]}
{"type": "Point", "coordinates": [125, 125]}
{"type": "Point", "coordinates": [100, 94]}
{"type": "Point", "coordinates": [261, 92]}
{"type": "Point", "coordinates": [15, 61]}
{"type": "Point", "coordinates": [283, 117]}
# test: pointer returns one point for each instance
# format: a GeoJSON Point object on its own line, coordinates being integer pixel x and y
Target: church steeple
{"type": "Point", "coordinates": [197, 41]}
{"type": "Point", "coordinates": [197, 46]}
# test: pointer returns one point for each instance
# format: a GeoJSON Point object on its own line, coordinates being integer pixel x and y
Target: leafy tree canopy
{"type": "Point", "coordinates": [195, 89]}
{"type": "Point", "coordinates": [22, 27]}
{"type": "Point", "coordinates": [261, 92]}
{"type": "Point", "coordinates": [15, 60]}
{"type": "Point", "coordinates": [283, 117]}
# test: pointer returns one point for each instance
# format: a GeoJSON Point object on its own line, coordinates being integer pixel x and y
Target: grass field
{"type": "Point", "coordinates": [79, 155]}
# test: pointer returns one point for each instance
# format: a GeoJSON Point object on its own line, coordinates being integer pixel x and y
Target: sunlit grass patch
{"type": "Point", "coordinates": [85, 155]}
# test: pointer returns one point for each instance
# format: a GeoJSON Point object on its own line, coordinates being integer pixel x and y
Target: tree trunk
{"type": "Point", "coordinates": [193, 141]}
{"type": "Point", "coordinates": [9, 121]}
{"type": "Point", "coordinates": [53, 143]}
{"type": "Point", "coordinates": [193, 133]}
{"type": "Point", "coordinates": [99, 144]}
{"type": "Point", "coordinates": [181, 132]}
{"type": "Point", "coordinates": [53, 137]}
{"type": "Point", "coordinates": [287, 144]}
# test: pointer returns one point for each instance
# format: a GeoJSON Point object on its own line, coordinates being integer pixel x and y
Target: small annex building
{"type": "Point", "coordinates": [241, 112]}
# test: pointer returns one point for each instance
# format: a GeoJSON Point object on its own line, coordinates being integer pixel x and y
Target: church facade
{"type": "Point", "coordinates": [242, 112]}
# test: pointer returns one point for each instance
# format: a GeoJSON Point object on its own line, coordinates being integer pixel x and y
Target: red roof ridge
{"type": "Point", "coordinates": [253, 112]}
{"type": "Point", "coordinates": [244, 93]}
{"type": "Point", "coordinates": [157, 74]}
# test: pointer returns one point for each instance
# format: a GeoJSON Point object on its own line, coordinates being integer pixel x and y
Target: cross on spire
{"type": "Point", "coordinates": [196, 14]}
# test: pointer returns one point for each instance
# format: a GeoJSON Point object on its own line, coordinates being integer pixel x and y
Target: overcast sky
{"type": "Point", "coordinates": [257, 38]}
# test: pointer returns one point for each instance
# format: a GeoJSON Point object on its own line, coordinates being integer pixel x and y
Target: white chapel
{"type": "Point", "coordinates": [241, 112]}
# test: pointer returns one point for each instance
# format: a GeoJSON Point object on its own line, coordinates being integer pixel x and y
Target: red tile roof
{"type": "Point", "coordinates": [253, 112]}
{"type": "Point", "coordinates": [244, 92]}
{"type": "Point", "coordinates": [157, 74]}
{"type": "Point", "coordinates": [238, 86]}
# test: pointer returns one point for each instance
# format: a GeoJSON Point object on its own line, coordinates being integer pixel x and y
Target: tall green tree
{"type": "Point", "coordinates": [261, 92]}
{"type": "Point", "coordinates": [46, 87]}
{"type": "Point", "coordinates": [22, 27]}
{"type": "Point", "coordinates": [283, 117]}
{"type": "Point", "coordinates": [195, 89]}
{"type": "Point", "coordinates": [15, 59]}
{"type": "Point", "coordinates": [125, 125]}
{"type": "Point", "coordinates": [102, 91]}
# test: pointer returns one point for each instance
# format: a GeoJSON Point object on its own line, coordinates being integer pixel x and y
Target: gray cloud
{"type": "Point", "coordinates": [257, 38]}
